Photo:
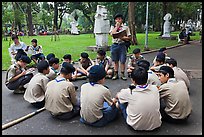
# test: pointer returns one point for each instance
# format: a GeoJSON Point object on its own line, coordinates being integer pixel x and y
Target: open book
{"type": "Point", "coordinates": [30, 70]}
{"type": "Point", "coordinates": [119, 34]}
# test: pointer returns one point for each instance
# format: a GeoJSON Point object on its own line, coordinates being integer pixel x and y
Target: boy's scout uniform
{"type": "Point", "coordinates": [92, 99]}
{"type": "Point", "coordinates": [176, 99]}
{"type": "Point", "coordinates": [179, 74]}
{"type": "Point", "coordinates": [143, 107]}
{"type": "Point", "coordinates": [153, 78]}
{"type": "Point", "coordinates": [132, 62]}
{"type": "Point", "coordinates": [35, 91]}
{"type": "Point", "coordinates": [60, 96]}
{"type": "Point", "coordinates": [52, 74]}
{"type": "Point", "coordinates": [105, 62]}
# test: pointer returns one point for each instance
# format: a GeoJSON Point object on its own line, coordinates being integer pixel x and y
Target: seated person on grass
{"type": "Point", "coordinates": [17, 76]}
{"type": "Point", "coordinates": [105, 62]}
{"type": "Point", "coordinates": [184, 37]}
{"type": "Point", "coordinates": [132, 62]}
{"type": "Point", "coordinates": [36, 51]}
{"type": "Point", "coordinates": [85, 63]}
{"type": "Point", "coordinates": [54, 66]}
{"type": "Point", "coordinates": [97, 106]}
{"type": "Point", "coordinates": [175, 104]}
{"type": "Point", "coordinates": [35, 92]}
{"type": "Point", "coordinates": [139, 103]}
{"type": "Point", "coordinates": [60, 96]}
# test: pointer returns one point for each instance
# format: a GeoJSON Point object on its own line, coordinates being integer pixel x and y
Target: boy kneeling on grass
{"type": "Point", "coordinates": [35, 92]}
{"type": "Point", "coordinates": [17, 76]}
{"type": "Point", "coordinates": [60, 96]}
{"type": "Point", "coordinates": [140, 102]}
{"type": "Point", "coordinates": [97, 106]}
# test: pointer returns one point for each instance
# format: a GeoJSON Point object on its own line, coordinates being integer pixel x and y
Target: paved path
{"type": "Point", "coordinates": [189, 57]}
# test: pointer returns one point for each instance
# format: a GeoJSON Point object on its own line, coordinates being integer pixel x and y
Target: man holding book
{"type": "Point", "coordinates": [121, 35]}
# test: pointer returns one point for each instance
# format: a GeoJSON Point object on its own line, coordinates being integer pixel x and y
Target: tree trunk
{"type": "Point", "coordinates": [164, 13]}
{"type": "Point", "coordinates": [131, 21]}
{"type": "Point", "coordinates": [60, 24]}
{"type": "Point", "coordinates": [55, 16]}
{"type": "Point", "coordinates": [29, 19]}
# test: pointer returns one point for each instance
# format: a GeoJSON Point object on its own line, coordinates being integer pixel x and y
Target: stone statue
{"type": "Point", "coordinates": [167, 25]}
{"type": "Point", "coordinates": [73, 23]}
{"type": "Point", "coordinates": [101, 26]}
{"type": "Point", "coordinates": [189, 27]}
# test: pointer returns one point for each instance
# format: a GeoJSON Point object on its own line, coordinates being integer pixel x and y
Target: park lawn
{"type": "Point", "coordinates": [75, 44]}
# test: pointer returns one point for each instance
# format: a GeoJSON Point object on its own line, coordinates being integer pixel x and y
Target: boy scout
{"type": "Point", "coordinates": [60, 96]}
{"type": "Point", "coordinates": [163, 50]}
{"type": "Point", "coordinates": [85, 63]}
{"type": "Point", "coordinates": [35, 92]}
{"type": "Point", "coordinates": [105, 62]}
{"type": "Point", "coordinates": [160, 61]}
{"type": "Point", "coordinates": [175, 101]}
{"type": "Point", "coordinates": [140, 103]}
{"type": "Point", "coordinates": [152, 77]}
{"type": "Point", "coordinates": [97, 106]}
{"type": "Point", "coordinates": [54, 66]}
{"type": "Point", "coordinates": [132, 62]}
{"type": "Point", "coordinates": [179, 74]}
{"type": "Point", "coordinates": [17, 76]}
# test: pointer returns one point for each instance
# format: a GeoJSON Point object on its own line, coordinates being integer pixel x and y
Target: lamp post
{"type": "Point", "coordinates": [146, 37]}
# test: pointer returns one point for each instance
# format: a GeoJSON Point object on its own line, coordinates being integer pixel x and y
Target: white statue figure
{"type": "Point", "coordinates": [101, 26]}
{"type": "Point", "coordinates": [167, 25]}
{"type": "Point", "coordinates": [74, 29]}
{"type": "Point", "coordinates": [189, 27]}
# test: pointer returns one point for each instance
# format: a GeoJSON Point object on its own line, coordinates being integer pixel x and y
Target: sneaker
{"type": "Point", "coordinates": [123, 77]}
{"type": "Point", "coordinates": [115, 77]}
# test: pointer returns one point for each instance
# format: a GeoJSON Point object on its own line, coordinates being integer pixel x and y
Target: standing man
{"type": "Point", "coordinates": [118, 48]}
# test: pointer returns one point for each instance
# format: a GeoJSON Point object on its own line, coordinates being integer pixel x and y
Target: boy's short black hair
{"type": "Point", "coordinates": [19, 53]}
{"type": "Point", "coordinates": [166, 69]}
{"type": "Point", "coordinates": [101, 52]}
{"type": "Point", "coordinates": [67, 56]}
{"type": "Point", "coordinates": [162, 49]}
{"type": "Point", "coordinates": [14, 36]}
{"type": "Point", "coordinates": [135, 51]}
{"type": "Point", "coordinates": [53, 60]}
{"type": "Point", "coordinates": [25, 59]}
{"type": "Point", "coordinates": [84, 55]}
{"type": "Point", "coordinates": [67, 68]}
{"type": "Point", "coordinates": [160, 57]}
{"type": "Point", "coordinates": [172, 61]}
{"type": "Point", "coordinates": [49, 56]}
{"type": "Point", "coordinates": [42, 65]}
{"type": "Point", "coordinates": [96, 73]}
{"type": "Point", "coordinates": [143, 63]}
{"type": "Point", "coordinates": [34, 40]}
{"type": "Point", "coordinates": [139, 75]}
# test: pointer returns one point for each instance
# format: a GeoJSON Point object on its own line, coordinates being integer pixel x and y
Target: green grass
{"type": "Point", "coordinates": [75, 44]}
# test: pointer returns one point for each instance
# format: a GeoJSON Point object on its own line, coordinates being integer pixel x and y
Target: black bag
{"type": "Point", "coordinates": [127, 44]}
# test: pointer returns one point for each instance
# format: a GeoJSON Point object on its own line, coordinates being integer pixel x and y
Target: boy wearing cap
{"type": "Point", "coordinates": [54, 66]}
{"type": "Point", "coordinates": [175, 101]}
{"type": "Point", "coordinates": [105, 62]}
{"type": "Point", "coordinates": [36, 51]}
{"type": "Point", "coordinates": [17, 76]}
{"type": "Point", "coordinates": [139, 103]}
{"type": "Point", "coordinates": [132, 62]}
{"type": "Point", "coordinates": [118, 48]}
{"type": "Point", "coordinates": [179, 74]}
{"type": "Point", "coordinates": [85, 63]}
{"type": "Point", "coordinates": [60, 95]}
{"type": "Point", "coordinates": [15, 46]}
{"type": "Point", "coordinates": [97, 106]}
{"type": "Point", "coordinates": [152, 77]}
{"type": "Point", "coordinates": [35, 92]}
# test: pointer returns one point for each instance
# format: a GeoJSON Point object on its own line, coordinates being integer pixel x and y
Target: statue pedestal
{"type": "Point", "coordinates": [168, 38]}
{"type": "Point", "coordinates": [96, 48]}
